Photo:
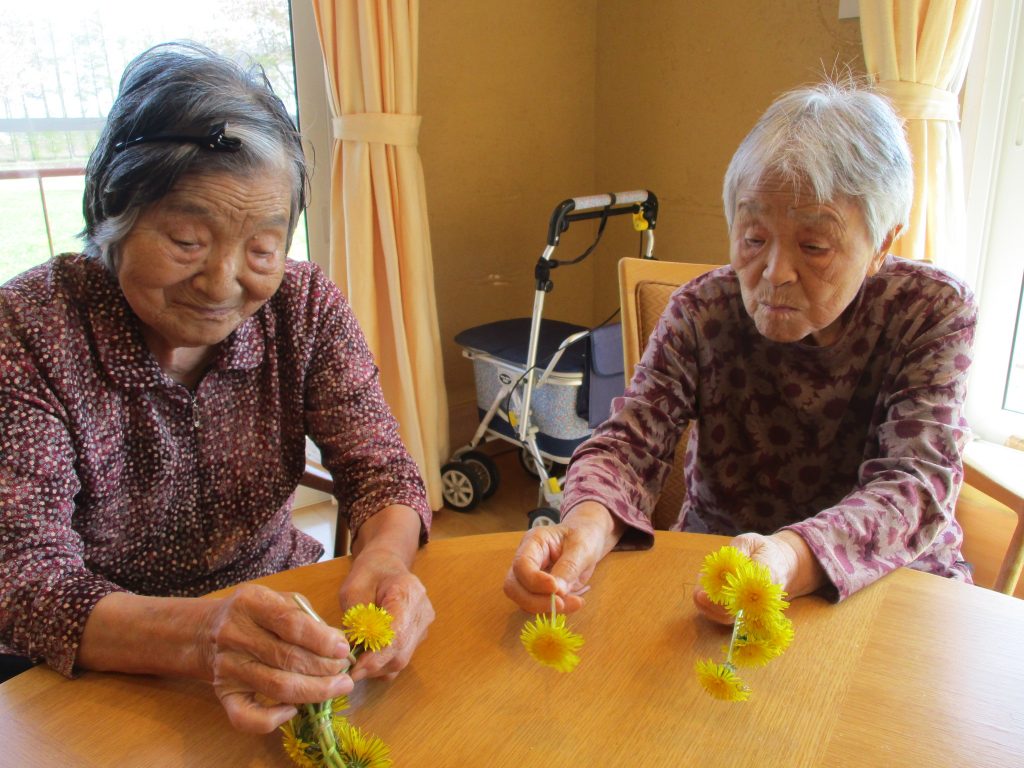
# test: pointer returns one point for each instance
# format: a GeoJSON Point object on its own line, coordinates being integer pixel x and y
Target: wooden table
{"type": "Point", "coordinates": [915, 670]}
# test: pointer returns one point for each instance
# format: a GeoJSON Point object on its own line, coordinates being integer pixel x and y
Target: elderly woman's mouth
{"type": "Point", "coordinates": [207, 312]}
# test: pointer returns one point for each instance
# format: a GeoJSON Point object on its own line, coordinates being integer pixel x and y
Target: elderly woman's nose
{"type": "Point", "coordinates": [218, 280]}
{"type": "Point", "coordinates": [778, 267]}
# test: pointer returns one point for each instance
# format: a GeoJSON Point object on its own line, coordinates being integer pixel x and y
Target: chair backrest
{"type": "Point", "coordinates": [645, 286]}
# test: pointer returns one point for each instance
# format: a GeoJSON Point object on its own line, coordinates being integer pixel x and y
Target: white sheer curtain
{"type": "Point", "coordinates": [917, 51]}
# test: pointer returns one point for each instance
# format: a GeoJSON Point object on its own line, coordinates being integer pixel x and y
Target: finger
{"type": "Point", "coordinates": [244, 673]}
{"type": "Point", "coordinates": [538, 549]}
{"type": "Point", "coordinates": [271, 651]}
{"type": "Point", "coordinates": [574, 566]}
{"type": "Point", "coordinates": [711, 610]}
{"type": "Point", "coordinates": [534, 603]}
{"type": "Point", "coordinates": [280, 618]}
{"type": "Point", "coordinates": [412, 614]}
{"type": "Point", "coordinates": [246, 713]}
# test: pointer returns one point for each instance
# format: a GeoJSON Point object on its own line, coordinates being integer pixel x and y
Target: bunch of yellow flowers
{"type": "Point", "coordinates": [319, 736]}
{"type": "Point", "coordinates": [761, 631]}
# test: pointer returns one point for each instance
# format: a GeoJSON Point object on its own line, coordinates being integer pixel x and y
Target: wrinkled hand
{"type": "Point", "coordinates": [385, 580]}
{"type": "Point", "coordinates": [560, 559]}
{"type": "Point", "coordinates": [789, 560]}
{"type": "Point", "coordinates": [267, 656]}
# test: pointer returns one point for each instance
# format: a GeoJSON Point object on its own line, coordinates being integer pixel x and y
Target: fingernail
{"type": "Point", "coordinates": [341, 650]}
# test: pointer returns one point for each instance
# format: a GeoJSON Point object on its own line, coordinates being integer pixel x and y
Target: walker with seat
{"type": "Point", "coordinates": [541, 384]}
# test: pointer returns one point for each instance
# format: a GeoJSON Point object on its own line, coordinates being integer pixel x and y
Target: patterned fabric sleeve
{"type": "Point", "coordinates": [623, 465]}
{"type": "Point", "coordinates": [349, 420]}
{"type": "Point", "coordinates": [46, 591]}
{"type": "Point", "coordinates": [905, 497]}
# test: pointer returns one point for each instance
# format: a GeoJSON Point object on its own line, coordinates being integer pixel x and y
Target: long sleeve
{"type": "Point", "coordinates": [624, 464]}
{"type": "Point", "coordinates": [46, 590]}
{"type": "Point", "coordinates": [901, 510]}
{"type": "Point", "coordinates": [349, 420]}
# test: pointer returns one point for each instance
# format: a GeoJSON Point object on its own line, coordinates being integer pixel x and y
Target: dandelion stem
{"type": "Point", "coordinates": [552, 606]}
{"type": "Point", "coordinates": [735, 632]}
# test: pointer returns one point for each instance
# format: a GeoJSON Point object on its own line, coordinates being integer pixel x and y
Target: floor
{"type": "Point", "coordinates": [506, 510]}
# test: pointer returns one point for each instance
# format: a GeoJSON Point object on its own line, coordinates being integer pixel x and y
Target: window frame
{"type": "Point", "coordinates": [993, 116]}
{"type": "Point", "coordinates": [315, 121]}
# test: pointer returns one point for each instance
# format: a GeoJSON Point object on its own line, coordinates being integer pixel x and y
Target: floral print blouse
{"type": "Point", "coordinates": [115, 477]}
{"type": "Point", "coordinates": [856, 446]}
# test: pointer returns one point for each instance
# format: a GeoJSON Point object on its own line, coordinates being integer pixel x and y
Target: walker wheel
{"type": "Point", "coordinates": [460, 486]}
{"type": "Point", "coordinates": [543, 516]}
{"type": "Point", "coordinates": [486, 471]}
{"type": "Point", "coordinates": [528, 463]}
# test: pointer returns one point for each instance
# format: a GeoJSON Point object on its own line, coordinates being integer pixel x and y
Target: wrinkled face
{"type": "Point", "coordinates": [205, 257]}
{"type": "Point", "coordinates": [800, 262]}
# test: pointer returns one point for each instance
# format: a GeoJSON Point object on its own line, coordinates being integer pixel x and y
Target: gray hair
{"type": "Point", "coordinates": [183, 89]}
{"type": "Point", "coordinates": [840, 139]}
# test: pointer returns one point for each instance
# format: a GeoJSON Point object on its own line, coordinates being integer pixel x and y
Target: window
{"type": "Point", "coordinates": [59, 75]}
{"type": "Point", "coordinates": [994, 137]}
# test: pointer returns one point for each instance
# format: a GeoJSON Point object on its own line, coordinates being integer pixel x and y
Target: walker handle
{"type": "Point", "coordinates": [590, 202]}
{"type": "Point", "coordinates": [639, 201]}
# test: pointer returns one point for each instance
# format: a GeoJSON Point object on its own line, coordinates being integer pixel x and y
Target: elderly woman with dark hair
{"type": "Point", "coordinates": [155, 398]}
{"type": "Point", "coordinates": [826, 379]}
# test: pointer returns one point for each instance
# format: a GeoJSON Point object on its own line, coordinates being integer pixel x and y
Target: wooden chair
{"type": "Point", "coordinates": [990, 509]}
{"type": "Point", "coordinates": [991, 504]}
{"type": "Point", "coordinates": [318, 478]}
{"type": "Point", "coordinates": [645, 286]}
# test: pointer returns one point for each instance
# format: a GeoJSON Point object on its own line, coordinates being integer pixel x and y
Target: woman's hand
{"type": "Point", "coordinates": [560, 559]}
{"type": "Point", "coordinates": [384, 548]}
{"type": "Point", "coordinates": [267, 656]}
{"type": "Point", "coordinates": [384, 579]}
{"type": "Point", "coordinates": [790, 562]}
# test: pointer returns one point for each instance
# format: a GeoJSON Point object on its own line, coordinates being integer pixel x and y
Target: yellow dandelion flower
{"type": "Point", "coordinates": [360, 750]}
{"type": "Point", "coordinates": [752, 652]}
{"type": "Point", "coordinates": [368, 627]}
{"type": "Point", "coordinates": [550, 642]}
{"type": "Point", "coordinates": [338, 704]}
{"type": "Point", "coordinates": [295, 747]}
{"type": "Point", "coordinates": [751, 590]}
{"type": "Point", "coordinates": [717, 566]}
{"type": "Point", "coordinates": [774, 629]}
{"type": "Point", "coordinates": [721, 681]}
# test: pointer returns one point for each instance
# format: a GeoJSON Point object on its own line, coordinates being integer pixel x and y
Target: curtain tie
{"type": "Point", "coordinates": [378, 128]}
{"type": "Point", "coordinates": [919, 101]}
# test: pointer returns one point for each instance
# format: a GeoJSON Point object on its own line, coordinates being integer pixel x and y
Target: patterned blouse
{"type": "Point", "coordinates": [115, 477]}
{"type": "Point", "coordinates": [856, 446]}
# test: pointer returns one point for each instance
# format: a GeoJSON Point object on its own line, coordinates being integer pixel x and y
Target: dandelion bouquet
{"type": "Point", "coordinates": [319, 736]}
{"type": "Point", "coordinates": [550, 642]}
{"type": "Point", "coordinates": [760, 633]}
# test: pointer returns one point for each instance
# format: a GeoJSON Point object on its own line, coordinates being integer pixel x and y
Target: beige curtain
{"type": "Point", "coordinates": [917, 51]}
{"type": "Point", "coordinates": [380, 238]}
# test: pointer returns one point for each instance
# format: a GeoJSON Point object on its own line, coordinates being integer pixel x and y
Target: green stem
{"type": "Point", "coordinates": [320, 716]}
{"type": "Point", "coordinates": [735, 632]}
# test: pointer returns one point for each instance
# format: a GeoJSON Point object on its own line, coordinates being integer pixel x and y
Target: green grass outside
{"type": "Point", "coordinates": [23, 226]}
{"type": "Point", "coordinates": [24, 229]}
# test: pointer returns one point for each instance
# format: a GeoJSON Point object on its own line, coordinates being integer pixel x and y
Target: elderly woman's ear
{"type": "Point", "coordinates": [883, 250]}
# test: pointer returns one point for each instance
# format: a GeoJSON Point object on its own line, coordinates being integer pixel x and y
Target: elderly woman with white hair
{"type": "Point", "coordinates": [155, 398]}
{"type": "Point", "coordinates": [826, 379]}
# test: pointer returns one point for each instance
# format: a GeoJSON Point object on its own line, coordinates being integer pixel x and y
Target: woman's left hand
{"type": "Point", "coordinates": [384, 579]}
{"type": "Point", "coordinates": [790, 562]}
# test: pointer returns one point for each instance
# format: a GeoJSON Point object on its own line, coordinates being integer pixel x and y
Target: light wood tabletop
{"type": "Point", "coordinates": [914, 670]}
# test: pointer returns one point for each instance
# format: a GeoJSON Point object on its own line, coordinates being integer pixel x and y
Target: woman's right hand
{"type": "Point", "coordinates": [266, 656]}
{"type": "Point", "coordinates": [560, 559]}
